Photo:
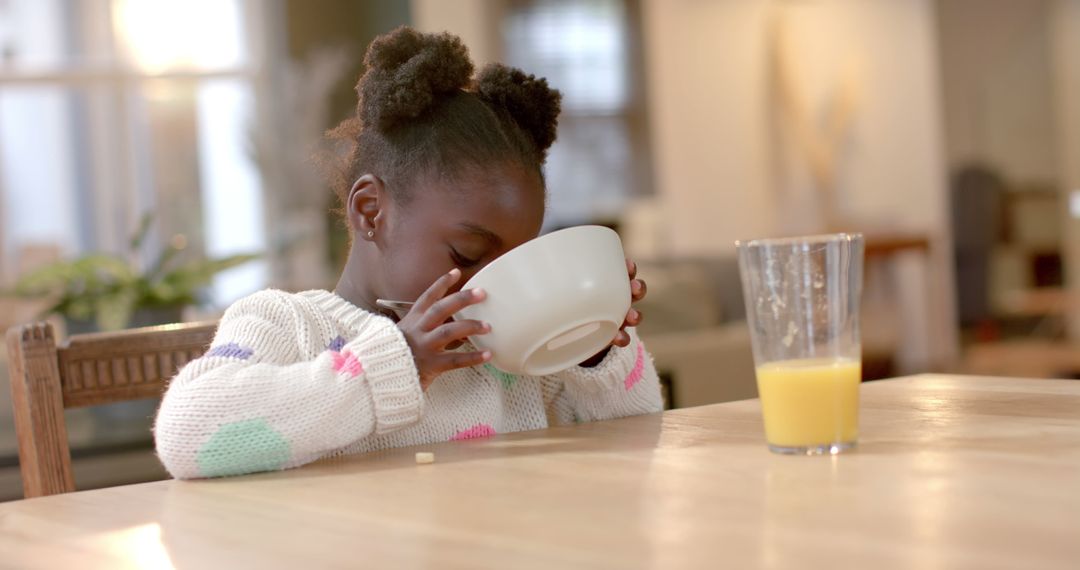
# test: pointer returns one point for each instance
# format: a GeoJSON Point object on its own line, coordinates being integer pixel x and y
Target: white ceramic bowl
{"type": "Point", "coordinates": [552, 302]}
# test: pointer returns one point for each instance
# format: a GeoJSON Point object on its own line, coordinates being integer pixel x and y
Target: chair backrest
{"type": "Point", "coordinates": [87, 370]}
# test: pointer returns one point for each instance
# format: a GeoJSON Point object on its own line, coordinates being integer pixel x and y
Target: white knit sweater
{"type": "Point", "coordinates": [292, 378]}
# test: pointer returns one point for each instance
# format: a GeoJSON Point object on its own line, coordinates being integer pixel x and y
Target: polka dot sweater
{"type": "Point", "coordinates": [292, 378]}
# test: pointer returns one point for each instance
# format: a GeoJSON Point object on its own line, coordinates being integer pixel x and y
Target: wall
{"type": "Point", "coordinates": [707, 97]}
{"type": "Point", "coordinates": [1066, 51]}
{"type": "Point", "coordinates": [709, 94]}
{"type": "Point", "coordinates": [476, 22]}
{"type": "Point", "coordinates": [711, 119]}
{"type": "Point", "coordinates": [997, 90]}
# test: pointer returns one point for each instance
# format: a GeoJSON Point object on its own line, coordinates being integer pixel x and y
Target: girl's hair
{"type": "Point", "coordinates": [422, 112]}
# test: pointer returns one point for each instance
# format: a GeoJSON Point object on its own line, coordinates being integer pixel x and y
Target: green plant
{"type": "Point", "coordinates": [110, 288]}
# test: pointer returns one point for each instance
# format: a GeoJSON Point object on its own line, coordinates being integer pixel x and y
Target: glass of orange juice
{"type": "Point", "coordinates": [802, 304]}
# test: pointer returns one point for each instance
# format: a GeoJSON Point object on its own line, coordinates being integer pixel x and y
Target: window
{"type": "Point", "coordinates": [590, 50]}
{"type": "Point", "coordinates": [113, 108]}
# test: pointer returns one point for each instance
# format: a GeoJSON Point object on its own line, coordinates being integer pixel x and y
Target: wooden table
{"type": "Point", "coordinates": [952, 472]}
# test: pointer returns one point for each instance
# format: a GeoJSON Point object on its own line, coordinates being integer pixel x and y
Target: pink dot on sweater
{"type": "Point", "coordinates": [348, 363]}
{"type": "Point", "coordinates": [639, 369]}
{"type": "Point", "coordinates": [478, 430]}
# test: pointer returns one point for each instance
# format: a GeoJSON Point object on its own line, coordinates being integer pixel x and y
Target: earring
{"type": "Point", "coordinates": [370, 234]}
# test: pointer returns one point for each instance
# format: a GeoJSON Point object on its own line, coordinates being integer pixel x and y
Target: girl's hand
{"type": "Point", "coordinates": [428, 329]}
{"type": "Point", "coordinates": [638, 290]}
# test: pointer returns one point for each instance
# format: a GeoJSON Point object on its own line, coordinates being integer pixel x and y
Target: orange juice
{"type": "Point", "coordinates": [811, 402]}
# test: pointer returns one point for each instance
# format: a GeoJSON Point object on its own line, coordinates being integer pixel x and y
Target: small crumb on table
{"type": "Point", "coordinates": [424, 457]}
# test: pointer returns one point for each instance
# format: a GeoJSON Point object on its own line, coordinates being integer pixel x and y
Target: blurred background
{"type": "Point", "coordinates": [155, 165]}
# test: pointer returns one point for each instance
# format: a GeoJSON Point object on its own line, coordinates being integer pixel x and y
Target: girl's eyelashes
{"type": "Point", "coordinates": [461, 260]}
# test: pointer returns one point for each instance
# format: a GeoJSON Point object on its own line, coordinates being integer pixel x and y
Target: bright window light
{"type": "Point", "coordinates": [159, 35]}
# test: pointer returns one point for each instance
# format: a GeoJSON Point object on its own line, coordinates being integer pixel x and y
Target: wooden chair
{"type": "Point", "coordinates": [87, 370]}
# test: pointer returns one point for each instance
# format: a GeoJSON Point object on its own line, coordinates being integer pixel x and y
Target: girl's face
{"type": "Point", "coordinates": [465, 224]}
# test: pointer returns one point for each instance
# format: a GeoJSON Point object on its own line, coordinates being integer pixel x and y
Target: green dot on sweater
{"type": "Point", "coordinates": [243, 447]}
{"type": "Point", "coordinates": [506, 378]}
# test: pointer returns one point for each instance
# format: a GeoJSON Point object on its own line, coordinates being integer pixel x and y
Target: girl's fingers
{"type": "Point", "coordinates": [633, 318]}
{"type": "Point", "coordinates": [638, 289]}
{"type": "Point", "coordinates": [458, 330]}
{"type": "Point", "coordinates": [454, 360]}
{"type": "Point", "coordinates": [622, 340]}
{"type": "Point", "coordinates": [448, 306]}
{"type": "Point", "coordinates": [437, 290]}
{"type": "Point", "coordinates": [631, 269]}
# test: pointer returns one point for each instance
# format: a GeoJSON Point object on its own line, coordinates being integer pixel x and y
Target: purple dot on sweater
{"type": "Point", "coordinates": [337, 344]}
{"type": "Point", "coordinates": [231, 350]}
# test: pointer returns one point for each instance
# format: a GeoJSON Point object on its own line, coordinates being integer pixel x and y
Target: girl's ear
{"type": "Point", "coordinates": [366, 205]}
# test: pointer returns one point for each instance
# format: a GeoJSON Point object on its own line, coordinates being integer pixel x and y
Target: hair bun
{"type": "Point", "coordinates": [530, 102]}
{"type": "Point", "coordinates": [407, 72]}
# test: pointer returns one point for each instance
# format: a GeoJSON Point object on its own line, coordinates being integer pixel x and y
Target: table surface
{"type": "Point", "coordinates": [951, 472]}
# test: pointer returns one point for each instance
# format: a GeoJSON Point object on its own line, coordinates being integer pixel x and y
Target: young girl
{"type": "Point", "coordinates": [443, 176]}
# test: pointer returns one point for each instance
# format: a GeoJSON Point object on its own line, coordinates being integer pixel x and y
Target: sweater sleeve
{"type": "Point", "coordinates": [625, 383]}
{"type": "Point", "coordinates": [251, 403]}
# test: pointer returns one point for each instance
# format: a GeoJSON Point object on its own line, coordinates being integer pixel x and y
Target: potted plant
{"type": "Point", "coordinates": [109, 292]}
